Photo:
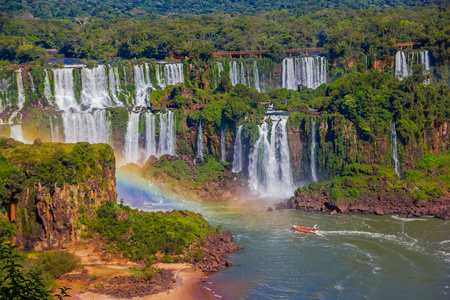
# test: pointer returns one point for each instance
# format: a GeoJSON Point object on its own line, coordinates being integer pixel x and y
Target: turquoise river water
{"type": "Point", "coordinates": [354, 257]}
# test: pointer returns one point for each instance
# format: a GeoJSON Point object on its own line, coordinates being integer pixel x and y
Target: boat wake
{"type": "Point", "coordinates": [407, 219]}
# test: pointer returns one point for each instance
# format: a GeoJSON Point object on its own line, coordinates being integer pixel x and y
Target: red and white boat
{"type": "Point", "coordinates": [313, 230]}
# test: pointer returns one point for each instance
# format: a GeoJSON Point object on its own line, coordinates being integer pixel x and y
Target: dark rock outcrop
{"type": "Point", "coordinates": [214, 253]}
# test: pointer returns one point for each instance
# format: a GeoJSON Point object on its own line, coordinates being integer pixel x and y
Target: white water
{"type": "Point", "coordinates": [51, 129]}
{"type": "Point", "coordinates": [222, 145]}
{"type": "Point", "coordinates": [313, 150]}
{"type": "Point", "coordinates": [237, 153]}
{"type": "Point", "coordinates": [150, 141]}
{"type": "Point", "coordinates": [307, 71]}
{"type": "Point", "coordinates": [94, 92]}
{"type": "Point", "coordinates": [131, 149]}
{"type": "Point", "coordinates": [269, 162]}
{"type": "Point", "coordinates": [114, 85]}
{"type": "Point", "coordinates": [17, 134]}
{"type": "Point", "coordinates": [256, 76]}
{"type": "Point", "coordinates": [200, 140]}
{"type": "Point", "coordinates": [92, 127]}
{"type": "Point", "coordinates": [394, 150]}
{"type": "Point", "coordinates": [20, 92]}
{"type": "Point", "coordinates": [404, 64]}
{"type": "Point", "coordinates": [167, 137]}
{"type": "Point", "coordinates": [173, 74]}
{"type": "Point", "coordinates": [33, 90]}
{"type": "Point", "coordinates": [47, 91]}
{"type": "Point", "coordinates": [142, 84]}
{"type": "Point", "coordinates": [64, 89]}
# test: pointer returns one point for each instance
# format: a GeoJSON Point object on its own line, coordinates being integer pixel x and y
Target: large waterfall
{"type": "Point", "coordinates": [243, 74]}
{"type": "Point", "coordinates": [94, 92]}
{"type": "Point", "coordinates": [308, 71]}
{"type": "Point", "coordinates": [173, 74]}
{"type": "Point", "coordinates": [200, 139]}
{"type": "Point", "coordinates": [91, 127]}
{"type": "Point", "coordinates": [142, 84]}
{"type": "Point", "coordinates": [131, 149]}
{"type": "Point", "coordinates": [404, 62]}
{"type": "Point", "coordinates": [237, 154]}
{"type": "Point", "coordinates": [269, 163]}
{"type": "Point", "coordinates": [47, 91]}
{"type": "Point", "coordinates": [17, 134]}
{"type": "Point", "coordinates": [150, 140]}
{"type": "Point", "coordinates": [20, 93]}
{"type": "Point", "coordinates": [166, 133]}
{"type": "Point", "coordinates": [313, 150]}
{"type": "Point", "coordinates": [394, 150]}
{"type": "Point", "coordinates": [64, 89]}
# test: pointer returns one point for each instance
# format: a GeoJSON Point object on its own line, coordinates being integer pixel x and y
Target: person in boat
{"type": "Point", "coordinates": [315, 227]}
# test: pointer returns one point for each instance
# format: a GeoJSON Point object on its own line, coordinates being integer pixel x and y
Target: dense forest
{"type": "Point", "coordinates": [345, 34]}
{"type": "Point", "coordinates": [54, 9]}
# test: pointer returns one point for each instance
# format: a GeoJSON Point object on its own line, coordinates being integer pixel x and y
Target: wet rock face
{"type": "Point", "coordinates": [215, 250]}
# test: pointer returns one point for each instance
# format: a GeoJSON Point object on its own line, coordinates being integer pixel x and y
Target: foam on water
{"type": "Point", "coordinates": [406, 219]}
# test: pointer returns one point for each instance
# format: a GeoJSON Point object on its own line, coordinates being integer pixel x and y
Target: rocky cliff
{"type": "Point", "coordinates": [62, 186]}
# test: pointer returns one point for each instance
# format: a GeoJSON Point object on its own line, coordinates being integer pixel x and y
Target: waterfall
{"type": "Point", "coordinates": [403, 64]}
{"type": "Point", "coordinates": [222, 145]}
{"type": "Point", "coordinates": [288, 74]}
{"type": "Point", "coordinates": [131, 147]}
{"type": "Point", "coordinates": [242, 74]}
{"type": "Point", "coordinates": [234, 72]}
{"type": "Point", "coordinates": [142, 84]}
{"type": "Point", "coordinates": [94, 93]}
{"type": "Point", "coordinates": [159, 81]}
{"type": "Point", "coordinates": [394, 151]}
{"type": "Point", "coordinates": [150, 141]}
{"type": "Point", "coordinates": [425, 61]}
{"type": "Point", "coordinates": [114, 85]}
{"type": "Point", "coordinates": [256, 76]}
{"type": "Point", "coordinates": [200, 139]}
{"type": "Point", "coordinates": [166, 133]}
{"type": "Point", "coordinates": [33, 90]}
{"type": "Point", "coordinates": [237, 153]}
{"type": "Point", "coordinates": [173, 74]}
{"type": "Point", "coordinates": [269, 162]}
{"type": "Point", "coordinates": [16, 133]}
{"type": "Point", "coordinates": [47, 91]}
{"type": "Point", "coordinates": [91, 127]}
{"type": "Point", "coordinates": [20, 92]}
{"type": "Point", "coordinates": [307, 71]}
{"type": "Point", "coordinates": [313, 150]}
{"type": "Point", "coordinates": [64, 89]}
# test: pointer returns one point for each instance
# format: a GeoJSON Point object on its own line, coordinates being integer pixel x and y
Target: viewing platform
{"type": "Point", "coordinates": [410, 44]}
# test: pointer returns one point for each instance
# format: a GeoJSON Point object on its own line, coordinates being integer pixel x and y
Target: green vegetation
{"type": "Point", "coordinates": [428, 179]}
{"type": "Point", "coordinates": [138, 9]}
{"type": "Point", "coordinates": [177, 235]}
{"type": "Point", "coordinates": [18, 283]}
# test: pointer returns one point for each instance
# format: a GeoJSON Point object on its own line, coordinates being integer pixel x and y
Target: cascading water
{"type": "Point", "coordinates": [142, 84]}
{"type": "Point", "coordinates": [237, 153]}
{"type": "Point", "coordinates": [17, 134]}
{"type": "Point", "coordinates": [313, 150]}
{"type": "Point", "coordinates": [51, 129]}
{"type": "Point", "coordinates": [222, 145]}
{"type": "Point", "coordinates": [307, 71]}
{"type": "Point", "coordinates": [150, 140]}
{"type": "Point", "coordinates": [47, 91]}
{"type": "Point", "coordinates": [33, 90]}
{"type": "Point", "coordinates": [64, 89]}
{"type": "Point", "coordinates": [20, 93]}
{"type": "Point", "coordinates": [243, 81]}
{"type": "Point", "coordinates": [92, 127]}
{"type": "Point", "coordinates": [234, 73]}
{"type": "Point", "coordinates": [256, 76]}
{"type": "Point", "coordinates": [131, 149]}
{"type": "Point", "coordinates": [394, 150]}
{"type": "Point", "coordinates": [200, 140]}
{"type": "Point", "coordinates": [166, 134]}
{"type": "Point", "coordinates": [403, 64]}
{"type": "Point", "coordinates": [114, 85]}
{"type": "Point", "coordinates": [94, 92]}
{"type": "Point", "coordinates": [173, 74]}
{"type": "Point", "coordinates": [269, 162]}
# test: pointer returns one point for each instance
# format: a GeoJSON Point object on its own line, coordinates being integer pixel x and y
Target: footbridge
{"type": "Point", "coordinates": [290, 52]}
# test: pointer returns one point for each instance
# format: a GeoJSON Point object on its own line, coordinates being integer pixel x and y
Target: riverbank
{"type": "Point", "coordinates": [103, 277]}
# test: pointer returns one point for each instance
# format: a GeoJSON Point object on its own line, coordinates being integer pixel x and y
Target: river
{"type": "Point", "coordinates": [354, 257]}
